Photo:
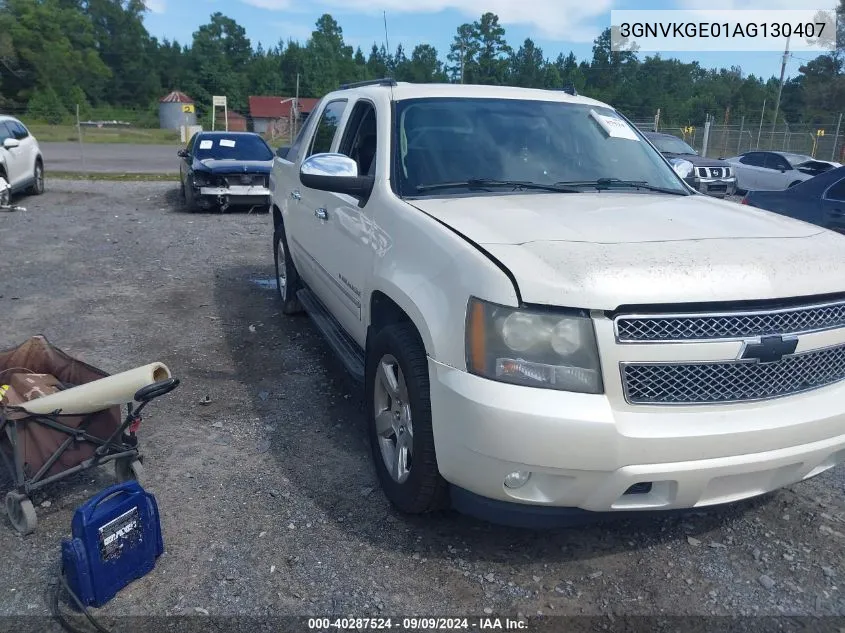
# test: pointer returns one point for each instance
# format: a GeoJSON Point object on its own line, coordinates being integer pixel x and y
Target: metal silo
{"type": "Point", "coordinates": [175, 110]}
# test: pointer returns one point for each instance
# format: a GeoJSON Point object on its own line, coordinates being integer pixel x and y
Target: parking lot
{"type": "Point", "coordinates": [268, 500]}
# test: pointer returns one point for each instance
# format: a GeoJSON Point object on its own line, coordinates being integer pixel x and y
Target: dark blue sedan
{"type": "Point", "coordinates": [819, 200]}
{"type": "Point", "coordinates": [223, 169]}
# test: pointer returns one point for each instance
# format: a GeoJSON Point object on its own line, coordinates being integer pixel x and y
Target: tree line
{"type": "Point", "coordinates": [55, 54]}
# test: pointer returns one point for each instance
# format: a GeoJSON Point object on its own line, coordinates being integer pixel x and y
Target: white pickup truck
{"type": "Point", "coordinates": [545, 318]}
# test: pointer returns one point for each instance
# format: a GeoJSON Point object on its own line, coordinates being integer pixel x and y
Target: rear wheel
{"type": "Point", "coordinates": [399, 419]}
{"type": "Point", "coordinates": [287, 277]}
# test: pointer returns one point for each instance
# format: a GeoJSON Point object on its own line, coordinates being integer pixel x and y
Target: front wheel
{"type": "Point", "coordinates": [38, 179]}
{"type": "Point", "coordinates": [5, 193]}
{"type": "Point", "coordinates": [287, 277]}
{"type": "Point", "coordinates": [399, 420]}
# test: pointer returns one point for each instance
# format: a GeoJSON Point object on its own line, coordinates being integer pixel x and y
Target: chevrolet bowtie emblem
{"type": "Point", "coordinates": [770, 349]}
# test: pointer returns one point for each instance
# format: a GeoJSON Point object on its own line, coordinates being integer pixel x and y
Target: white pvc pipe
{"type": "Point", "coordinates": [99, 394]}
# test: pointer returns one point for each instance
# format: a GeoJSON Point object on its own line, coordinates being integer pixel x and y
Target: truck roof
{"type": "Point", "coordinates": [404, 90]}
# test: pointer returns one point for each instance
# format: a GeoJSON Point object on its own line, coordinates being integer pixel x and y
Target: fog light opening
{"type": "Point", "coordinates": [517, 479]}
{"type": "Point", "coordinates": [640, 488]}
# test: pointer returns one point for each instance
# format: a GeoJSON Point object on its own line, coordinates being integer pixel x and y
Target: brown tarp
{"type": "Point", "coordinates": [37, 443]}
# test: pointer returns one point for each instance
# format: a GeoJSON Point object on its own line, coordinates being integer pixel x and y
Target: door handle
{"type": "Point", "coordinates": [321, 213]}
{"type": "Point", "coordinates": [295, 195]}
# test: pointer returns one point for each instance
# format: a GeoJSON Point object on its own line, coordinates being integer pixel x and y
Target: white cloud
{"type": "Point", "coordinates": [156, 6]}
{"type": "Point", "coordinates": [571, 20]}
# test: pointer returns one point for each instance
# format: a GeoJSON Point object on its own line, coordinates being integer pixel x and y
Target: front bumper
{"type": "Point", "coordinates": [717, 187]}
{"type": "Point", "coordinates": [236, 195]}
{"type": "Point", "coordinates": [584, 454]}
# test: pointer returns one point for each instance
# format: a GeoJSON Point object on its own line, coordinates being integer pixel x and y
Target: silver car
{"type": "Point", "coordinates": [774, 171]}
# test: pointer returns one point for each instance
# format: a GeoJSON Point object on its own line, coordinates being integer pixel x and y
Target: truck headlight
{"type": "Point", "coordinates": [533, 347]}
{"type": "Point", "coordinates": [683, 168]}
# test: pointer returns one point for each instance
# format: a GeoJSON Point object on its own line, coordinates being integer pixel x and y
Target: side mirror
{"type": "Point", "coordinates": [182, 153]}
{"type": "Point", "coordinates": [11, 143]}
{"type": "Point", "coordinates": [336, 173]}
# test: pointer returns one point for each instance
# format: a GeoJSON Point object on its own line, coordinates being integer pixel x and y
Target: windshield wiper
{"type": "Point", "coordinates": [608, 183]}
{"type": "Point", "coordinates": [481, 183]}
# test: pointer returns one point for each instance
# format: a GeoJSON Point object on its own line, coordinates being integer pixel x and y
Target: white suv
{"type": "Point", "coordinates": [544, 316]}
{"type": "Point", "coordinates": [21, 163]}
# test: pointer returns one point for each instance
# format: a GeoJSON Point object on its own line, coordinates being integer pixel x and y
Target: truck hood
{"type": "Point", "coordinates": [605, 250]}
{"type": "Point", "coordinates": [698, 161]}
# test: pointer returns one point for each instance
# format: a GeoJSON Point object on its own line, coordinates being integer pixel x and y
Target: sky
{"type": "Point", "coordinates": [557, 26]}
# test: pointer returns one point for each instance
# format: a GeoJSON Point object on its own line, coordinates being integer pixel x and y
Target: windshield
{"type": "Point", "coordinates": [235, 147]}
{"type": "Point", "coordinates": [798, 159]}
{"type": "Point", "coordinates": [671, 145]}
{"type": "Point", "coordinates": [452, 140]}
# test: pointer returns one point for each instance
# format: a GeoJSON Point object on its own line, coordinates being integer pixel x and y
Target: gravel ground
{"type": "Point", "coordinates": [269, 503]}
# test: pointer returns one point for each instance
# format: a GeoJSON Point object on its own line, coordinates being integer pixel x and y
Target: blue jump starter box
{"type": "Point", "coordinates": [116, 539]}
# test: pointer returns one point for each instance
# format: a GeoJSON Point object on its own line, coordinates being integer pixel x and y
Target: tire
{"type": "Point", "coordinates": [37, 187]}
{"type": "Point", "coordinates": [188, 199]}
{"type": "Point", "coordinates": [288, 282]}
{"type": "Point", "coordinates": [127, 469]}
{"type": "Point", "coordinates": [5, 194]}
{"type": "Point", "coordinates": [21, 513]}
{"type": "Point", "coordinates": [415, 487]}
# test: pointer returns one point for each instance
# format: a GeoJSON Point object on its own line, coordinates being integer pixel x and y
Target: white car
{"type": "Point", "coordinates": [545, 317]}
{"type": "Point", "coordinates": [774, 171]}
{"type": "Point", "coordinates": [21, 162]}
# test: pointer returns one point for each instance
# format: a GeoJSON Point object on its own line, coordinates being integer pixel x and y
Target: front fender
{"type": "Point", "coordinates": [430, 272]}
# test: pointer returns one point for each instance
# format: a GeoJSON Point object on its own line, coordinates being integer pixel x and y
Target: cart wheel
{"type": "Point", "coordinates": [21, 513]}
{"type": "Point", "coordinates": [126, 470]}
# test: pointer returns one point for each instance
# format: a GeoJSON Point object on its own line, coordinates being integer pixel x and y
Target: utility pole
{"type": "Point", "coordinates": [760, 131]}
{"type": "Point", "coordinates": [462, 61]}
{"type": "Point", "coordinates": [836, 138]}
{"type": "Point", "coordinates": [295, 109]}
{"type": "Point", "coordinates": [780, 92]}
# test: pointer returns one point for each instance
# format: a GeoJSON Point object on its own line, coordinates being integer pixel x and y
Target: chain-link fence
{"type": "Point", "coordinates": [824, 141]}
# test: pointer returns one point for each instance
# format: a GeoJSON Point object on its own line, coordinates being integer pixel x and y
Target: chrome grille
{"type": "Point", "coordinates": [689, 327]}
{"type": "Point", "coordinates": [732, 381]}
{"type": "Point", "coordinates": [714, 172]}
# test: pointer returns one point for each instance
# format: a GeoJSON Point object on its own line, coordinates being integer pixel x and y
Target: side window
{"type": "Point", "coordinates": [18, 130]}
{"type": "Point", "coordinates": [304, 133]}
{"type": "Point", "coordinates": [191, 143]}
{"type": "Point", "coordinates": [773, 161]}
{"type": "Point", "coordinates": [754, 159]}
{"type": "Point", "coordinates": [837, 191]}
{"type": "Point", "coordinates": [327, 127]}
{"type": "Point", "coordinates": [360, 138]}
{"type": "Point", "coordinates": [5, 132]}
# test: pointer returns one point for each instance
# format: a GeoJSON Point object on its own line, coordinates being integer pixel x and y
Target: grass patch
{"type": "Point", "coordinates": [131, 135]}
{"type": "Point", "coordinates": [113, 177]}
